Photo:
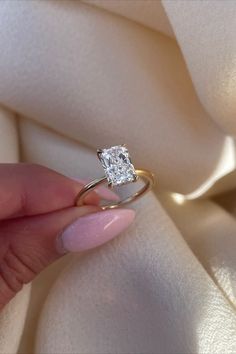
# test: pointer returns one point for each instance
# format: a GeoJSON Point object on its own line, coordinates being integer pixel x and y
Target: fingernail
{"type": "Point", "coordinates": [102, 192]}
{"type": "Point", "coordinates": [94, 229]}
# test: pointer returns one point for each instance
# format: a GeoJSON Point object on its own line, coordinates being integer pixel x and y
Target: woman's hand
{"type": "Point", "coordinates": [39, 223]}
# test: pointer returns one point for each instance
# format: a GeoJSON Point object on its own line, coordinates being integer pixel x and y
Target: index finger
{"type": "Point", "coordinates": [27, 189]}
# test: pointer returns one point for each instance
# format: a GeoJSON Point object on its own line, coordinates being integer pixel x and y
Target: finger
{"type": "Point", "coordinates": [27, 189]}
{"type": "Point", "coordinates": [102, 192]}
{"type": "Point", "coordinates": [29, 244]}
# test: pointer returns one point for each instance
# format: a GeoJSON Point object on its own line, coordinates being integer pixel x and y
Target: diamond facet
{"type": "Point", "coordinates": [117, 165]}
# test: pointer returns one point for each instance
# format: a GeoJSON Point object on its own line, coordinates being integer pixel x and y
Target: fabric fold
{"type": "Point", "coordinates": [144, 292]}
{"type": "Point", "coordinates": [112, 81]}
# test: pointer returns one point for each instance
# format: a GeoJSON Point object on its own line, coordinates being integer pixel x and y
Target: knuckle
{"type": "Point", "coordinates": [14, 273]}
{"type": "Point", "coordinates": [9, 278]}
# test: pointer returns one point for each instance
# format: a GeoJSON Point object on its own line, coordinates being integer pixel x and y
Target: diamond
{"type": "Point", "coordinates": [117, 165]}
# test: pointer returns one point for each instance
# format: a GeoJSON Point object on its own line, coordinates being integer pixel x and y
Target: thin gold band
{"type": "Point", "coordinates": [144, 174]}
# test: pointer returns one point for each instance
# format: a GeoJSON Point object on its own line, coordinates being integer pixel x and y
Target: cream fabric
{"type": "Point", "coordinates": [102, 70]}
{"type": "Point", "coordinates": [205, 31]}
{"type": "Point", "coordinates": [84, 75]}
{"type": "Point", "coordinates": [150, 13]}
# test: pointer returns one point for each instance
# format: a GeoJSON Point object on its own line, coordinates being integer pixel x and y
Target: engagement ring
{"type": "Point", "coordinates": [119, 171]}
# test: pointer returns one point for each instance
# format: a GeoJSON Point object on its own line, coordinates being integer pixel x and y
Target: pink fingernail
{"type": "Point", "coordinates": [94, 229]}
{"type": "Point", "coordinates": [102, 192]}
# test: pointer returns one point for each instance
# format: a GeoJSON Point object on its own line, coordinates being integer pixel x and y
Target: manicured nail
{"type": "Point", "coordinates": [94, 229]}
{"type": "Point", "coordinates": [102, 192]}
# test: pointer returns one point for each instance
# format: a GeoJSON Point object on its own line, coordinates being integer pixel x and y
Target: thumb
{"type": "Point", "coordinates": [29, 244]}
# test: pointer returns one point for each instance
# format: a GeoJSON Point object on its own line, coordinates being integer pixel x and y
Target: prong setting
{"type": "Point", "coordinates": [136, 178]}
{"type": "Point", "coordinates": [99, 151]}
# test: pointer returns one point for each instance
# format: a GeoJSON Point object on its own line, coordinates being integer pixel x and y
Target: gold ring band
{"type": "Point", "coordinates": [146, 175]}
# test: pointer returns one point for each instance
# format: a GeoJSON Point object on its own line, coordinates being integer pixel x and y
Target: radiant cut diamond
{"type": "Point", "coordinates": [117, 165]}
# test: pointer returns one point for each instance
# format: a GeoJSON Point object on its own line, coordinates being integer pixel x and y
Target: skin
{"type": "Point", "coordinates": [36, 205]}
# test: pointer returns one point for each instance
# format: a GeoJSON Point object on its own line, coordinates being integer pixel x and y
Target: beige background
{"type": "Point", "coordinates": [159, 76]}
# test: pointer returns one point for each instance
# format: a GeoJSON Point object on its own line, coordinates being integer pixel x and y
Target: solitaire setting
{"type": "Point", "coordinates": [119, 171]}
{"type": "Point", "coordinates": [117, 165]}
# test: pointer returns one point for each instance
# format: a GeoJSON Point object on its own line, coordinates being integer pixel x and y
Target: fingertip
{"type": "Point", "coordinates": [94, 229]}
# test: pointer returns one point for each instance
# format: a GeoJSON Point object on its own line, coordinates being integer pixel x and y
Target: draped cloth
{"type": "Point", "coordinates": [160, 77]}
